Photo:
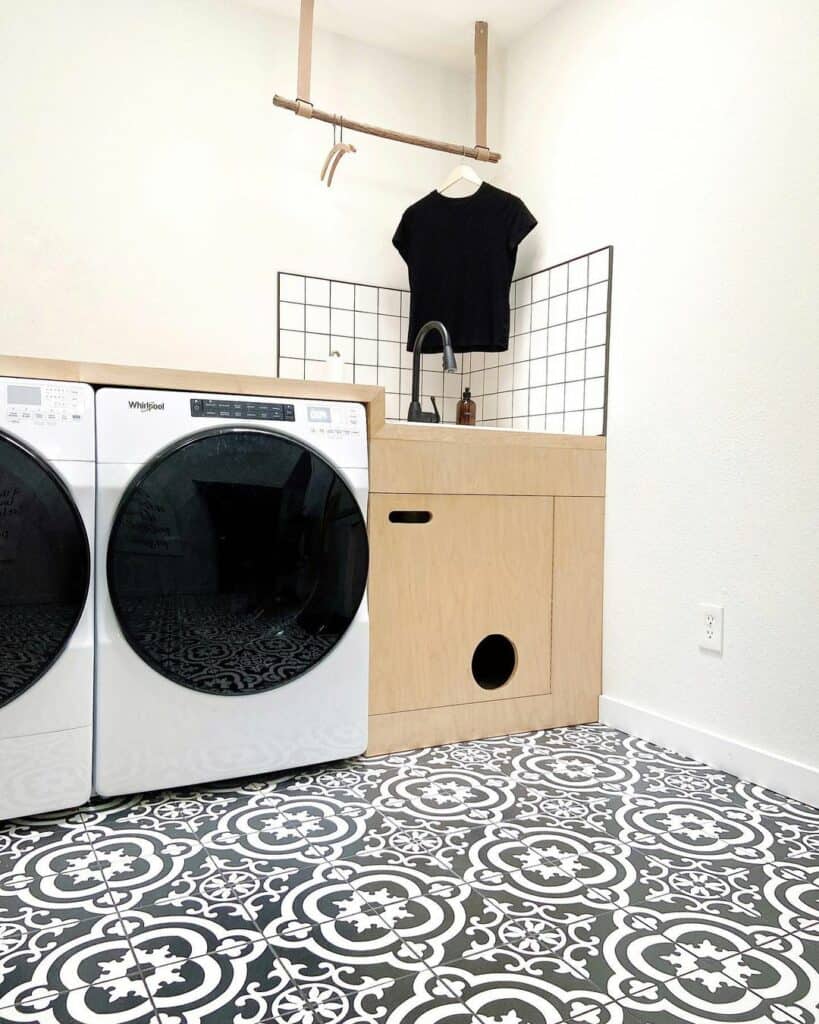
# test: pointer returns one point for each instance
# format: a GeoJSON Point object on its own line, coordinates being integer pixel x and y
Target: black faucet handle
{"type": "Point", "coordinates": [435, 407]}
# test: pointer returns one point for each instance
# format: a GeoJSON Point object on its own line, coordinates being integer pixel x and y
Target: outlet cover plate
{"type": "Point", "coordinates": [711, 617]}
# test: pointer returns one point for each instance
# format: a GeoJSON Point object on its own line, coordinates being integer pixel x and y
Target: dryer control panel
{"type": "Point", "coordinates": [136, 424]}
{"type": "Point", "coordinates": [44, 402]}
{"type": "Point", "coordinates": [336, 420]}
{"type": "Point", "coordinates": [327, 420]}
{"type": "Point", "coordinates": [56, 418]}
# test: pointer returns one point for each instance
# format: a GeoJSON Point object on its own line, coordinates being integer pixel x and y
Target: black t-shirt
{"type": "Point", "coordinates": [461, 255]}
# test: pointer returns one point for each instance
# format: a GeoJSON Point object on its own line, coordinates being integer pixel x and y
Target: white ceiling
{"type": "Point", "coordinates": [440, 31]}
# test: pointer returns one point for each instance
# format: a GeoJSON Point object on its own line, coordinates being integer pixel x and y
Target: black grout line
{"type": "Point", "coordinates": [585, 350]}
{"type": "Point", "coordinates": [466, 368]}
{"type": "Point", "coordinates": [563, 263]}
{"type": "Point", "coordinates": [311, 925]}
{"type": "Point", "coordinates": [118, 912]}
{"type": "Point", "coordinates": [220, 872]}
{"type": "Point", "coordinates": [607, 348]}
{"type": "Point", "coordinates": [529, 369]}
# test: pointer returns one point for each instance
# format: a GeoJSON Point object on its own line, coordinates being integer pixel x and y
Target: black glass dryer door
{"type": "Point", "coordinates": [44, 567]}
{"type": "Point", "coordinates": [237, 560]}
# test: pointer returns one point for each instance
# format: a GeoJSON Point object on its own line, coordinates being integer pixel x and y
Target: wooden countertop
{"type": "Point", "coordinates": [116, 375]}
{"type": "Point", "coordinates": [448, 433]}
{"type": "Point", "coordinates": [372, 397]}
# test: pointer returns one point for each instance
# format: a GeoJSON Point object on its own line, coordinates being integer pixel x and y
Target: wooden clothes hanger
{"type": "Point", "coordinates": [334, 156]}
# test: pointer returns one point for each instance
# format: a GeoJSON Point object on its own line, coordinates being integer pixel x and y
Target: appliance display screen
{"type": "Point", "coordinates": [23, 394]}
{"type": "Point", "coordinates": [318, 414]}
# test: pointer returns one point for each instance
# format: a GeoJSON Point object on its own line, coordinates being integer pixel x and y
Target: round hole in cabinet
{"type": "Point", "coordinates": [493, 661]}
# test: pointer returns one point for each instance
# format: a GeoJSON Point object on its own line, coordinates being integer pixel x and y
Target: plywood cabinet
{"type": "Point", "coordinates": [577, 615]}
{"type": "Point", "coordinates": [513, 545]}
{"type": "Point", "coordinates": [480, 565]}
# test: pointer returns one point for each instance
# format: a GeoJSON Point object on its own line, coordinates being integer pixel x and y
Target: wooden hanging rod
{"type": "Point", "coordinates": [473, 152]}
{"type": "Point", "coordinates": [304, 108]}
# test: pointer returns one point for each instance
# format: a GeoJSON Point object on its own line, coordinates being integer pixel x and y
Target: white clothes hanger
{"type": "Point", "coordinates": [462, 180]}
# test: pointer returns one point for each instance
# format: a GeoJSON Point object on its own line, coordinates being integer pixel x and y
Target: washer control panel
{"type": "Point", "coordinates": [230, 409]}
{"type": "Point", "coordinates": [45, 403]}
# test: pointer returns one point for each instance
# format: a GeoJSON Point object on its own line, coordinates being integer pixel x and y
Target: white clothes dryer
{"type": "Point", "coordinates": [232, 629]}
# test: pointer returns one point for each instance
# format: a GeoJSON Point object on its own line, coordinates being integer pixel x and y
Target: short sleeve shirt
{"type": "Point", "coordinates": [461, 254]}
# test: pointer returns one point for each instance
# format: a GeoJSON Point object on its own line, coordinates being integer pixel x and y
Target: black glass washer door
{"type": "Point", "coordinates": [45, 567]}
{"type": "Point", "coordinates": [237, 560]}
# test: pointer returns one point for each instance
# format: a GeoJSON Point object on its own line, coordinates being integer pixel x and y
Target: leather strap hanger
{"type": "Point", "coordinates": [303, 105]}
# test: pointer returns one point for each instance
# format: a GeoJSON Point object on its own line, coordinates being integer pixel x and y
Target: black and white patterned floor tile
{"type": "Point", "coordinates": [40, 845]}
{"type": "Point", "coordinates": [571, 876]}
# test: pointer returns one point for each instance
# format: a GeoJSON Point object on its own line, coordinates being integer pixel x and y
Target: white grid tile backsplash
{"type": "Point", "coordinates": [552, 377]}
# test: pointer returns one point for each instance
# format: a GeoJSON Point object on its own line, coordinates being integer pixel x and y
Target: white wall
{"type": "Point", "coordinates": [150, 191]}
{"type": "Point", "coordinates": [684, 132]}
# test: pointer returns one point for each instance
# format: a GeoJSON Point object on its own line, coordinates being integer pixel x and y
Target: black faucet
{"type": "Point", "coordinates": [416, 414]}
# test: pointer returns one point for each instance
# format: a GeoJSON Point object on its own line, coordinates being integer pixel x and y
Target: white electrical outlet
{"type": "Point", "coordinates": [711, 627]}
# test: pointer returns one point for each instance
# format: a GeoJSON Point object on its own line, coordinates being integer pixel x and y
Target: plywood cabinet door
{"type": "Point", "coordinates": [482, 564]}
{"type": "Point", "coordinates": [577, 609]}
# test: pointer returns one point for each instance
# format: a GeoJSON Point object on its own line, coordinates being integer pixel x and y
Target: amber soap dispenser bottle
{"type": "Point", "coordinates": [465, 411]}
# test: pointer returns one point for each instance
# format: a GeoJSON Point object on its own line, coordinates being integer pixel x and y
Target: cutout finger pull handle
{"type": "Point", "coordinates": [398, 515]}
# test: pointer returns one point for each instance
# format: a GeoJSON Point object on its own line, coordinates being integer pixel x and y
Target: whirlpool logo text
{"type": "Point", "coordinates": [147, 406]}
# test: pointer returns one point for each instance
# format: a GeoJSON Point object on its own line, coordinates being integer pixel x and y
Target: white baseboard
{"type": "Point", "coordinates": [770, 770]}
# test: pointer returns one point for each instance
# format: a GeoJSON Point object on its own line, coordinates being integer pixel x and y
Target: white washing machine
{"type": "Point", "coordinates": [46, 594]}
{"type": "Point", "coordinates": [232, 627]}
